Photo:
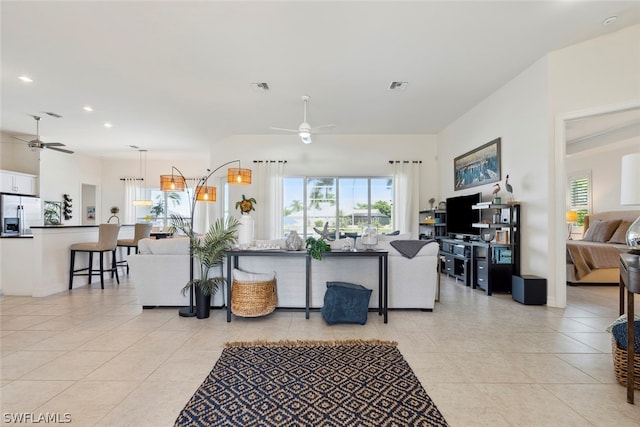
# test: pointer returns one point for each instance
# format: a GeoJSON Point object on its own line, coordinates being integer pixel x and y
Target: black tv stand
{"type": "Point", "coordinates": [457, 259]}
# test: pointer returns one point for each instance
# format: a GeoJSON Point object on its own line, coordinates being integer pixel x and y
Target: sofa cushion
{"type": "Point", "coordinates": [175, 245]}
{"type": "Point", "coordinates": [601, 231]}
{"type": "Point", "coordinates": [620, 235]}
{"type": "Point", "coordinates": [345, 303]}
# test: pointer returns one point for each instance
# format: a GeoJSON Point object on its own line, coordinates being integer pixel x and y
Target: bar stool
{"type": "Point", "coordinates": [141, 231]}
{"type": "Point", "coordinates": [107, 241]}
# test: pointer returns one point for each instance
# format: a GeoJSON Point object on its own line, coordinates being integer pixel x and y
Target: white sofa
{"type": "Point", "coordinates": [161, 268]}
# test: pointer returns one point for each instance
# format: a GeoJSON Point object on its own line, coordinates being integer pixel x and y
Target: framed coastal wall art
{"type": "Point", "coordinates": [477, 167]}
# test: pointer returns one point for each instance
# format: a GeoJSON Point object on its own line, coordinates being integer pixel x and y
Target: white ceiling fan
{"type": "Point", "coordinates": [38, 144]}
{"type": "Point", "coordinates": [304, 130]}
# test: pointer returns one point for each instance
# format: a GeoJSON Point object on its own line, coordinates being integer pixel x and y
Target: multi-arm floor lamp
{"type": "Point", "coordinates": [202, 193]}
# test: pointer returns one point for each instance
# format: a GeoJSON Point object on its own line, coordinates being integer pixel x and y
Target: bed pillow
{"type": "Point", "coordinates": [601, 231]}
{"type": "Point", "coordinates": [620, 235]}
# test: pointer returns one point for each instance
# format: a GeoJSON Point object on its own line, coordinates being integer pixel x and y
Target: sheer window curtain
{"type": "Point", "coordinates": [130, 191]}
{"type": "Point", "coordinates": [406, 188]}
{"type": "Point", "coordinates": [269, 181]}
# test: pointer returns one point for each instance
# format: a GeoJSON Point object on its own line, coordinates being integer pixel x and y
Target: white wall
{"type": "Point", "coordinates": [518, 114]}
{"type": "Point", "coordinates": [334, 155]}
{"type": "Point", "coordinates": [16, 156]}
{"type": "Point", "coordinates": [601, 71]}
{"type": "Point", "coordinates": [604, 164]}
{"type": "Point", "coordinates": [64, 174]}
{"type": "Point", "coordinates": [114, 169]}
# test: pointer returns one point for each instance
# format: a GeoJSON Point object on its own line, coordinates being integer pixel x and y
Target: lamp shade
{"type": "Point", "coordinates": [630, 195]}
{"type": "Point", "coordinates": [239, 176]}
{"type": "Point", "coordinates": [171, 183]}
{"type": "Point", "coordinates": [630, 179]}
{"type": "Point", "coordinates": [571, 216]}
{"type": "Point", "coordinates": [206, 194]}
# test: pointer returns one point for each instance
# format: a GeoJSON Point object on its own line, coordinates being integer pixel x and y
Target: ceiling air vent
{"type": "Point", "coordinates": [398, 85]}
{"type": "Point", "coordinates": [260, 87]}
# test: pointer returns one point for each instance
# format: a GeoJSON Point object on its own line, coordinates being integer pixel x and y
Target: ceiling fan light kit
{"type": "Point", "coordinates": [305, 130]}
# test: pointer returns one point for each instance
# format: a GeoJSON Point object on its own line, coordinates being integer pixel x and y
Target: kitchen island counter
{"type": "Point", "coordinates": [39, 266]}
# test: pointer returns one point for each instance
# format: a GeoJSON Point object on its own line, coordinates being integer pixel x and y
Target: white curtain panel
{"type": "Point", "coordinates": [406, 187]}
{"type": "Point", "coordinates": [130, 194]}
{"type": "Point", "coordinates": [269, 182]}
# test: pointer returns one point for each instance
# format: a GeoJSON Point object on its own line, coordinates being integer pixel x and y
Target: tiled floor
{"type": "Point", "coordinates": [96, 356]}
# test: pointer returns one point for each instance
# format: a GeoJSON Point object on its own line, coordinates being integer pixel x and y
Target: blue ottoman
{"type": "Point", "coordinates": [345, 303]}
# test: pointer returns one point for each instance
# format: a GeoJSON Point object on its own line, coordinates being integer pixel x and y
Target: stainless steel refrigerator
{"type": "Point", "coordinates": [18, 214]}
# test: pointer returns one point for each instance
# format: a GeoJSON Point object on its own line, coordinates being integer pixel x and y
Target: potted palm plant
{"type": "Point", "coordinates": [209, 250]}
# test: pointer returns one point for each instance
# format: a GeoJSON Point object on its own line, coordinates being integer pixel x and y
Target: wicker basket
{"type": "Point", "coordinates": [253, 299]}
{"type": "Point", "coordinates": [620, 365]}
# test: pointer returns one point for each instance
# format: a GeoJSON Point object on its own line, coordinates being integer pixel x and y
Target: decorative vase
{"type": "Point", "coordinates": [245, 230]}
{"type": "Point", "coordinates": [203, 303]}
{"type": "Point", "coordinates": [294, 242]}
{"type": "Point", "coordinates": [369, 236]}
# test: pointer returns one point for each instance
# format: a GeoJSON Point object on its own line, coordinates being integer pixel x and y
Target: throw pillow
{"type": "Point", "coordinates": [345, 303]}
{"type": "Point", "coordinates": [601, 231]}
{"type": "Point", "coordinates": [619, 332]}
{"type": "Point", "coordinates": [244, 276]}
{"type": "Point", "coordinates": [620, 235]}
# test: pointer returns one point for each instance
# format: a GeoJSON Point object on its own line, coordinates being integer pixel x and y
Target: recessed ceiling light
{"type": "Point", "coordinates": [87, 108]}
{"type": "Point", "coordinates": [108, 125]}
{"type": "Point", "coordinates": [398, 85]}
{"type": "Point", "coordinates": [25, 79]}
{"type": "Point", "coordinates": [610, 20]}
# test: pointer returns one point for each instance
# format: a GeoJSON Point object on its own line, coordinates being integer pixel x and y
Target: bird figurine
{"type": "Point", "coordinates": [496, 190]}
{"type": "Point", "coordinates": [509, 189]}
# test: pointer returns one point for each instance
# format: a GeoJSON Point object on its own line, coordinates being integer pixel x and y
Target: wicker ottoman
{"type": "Point", "coordinates": [253, 294]}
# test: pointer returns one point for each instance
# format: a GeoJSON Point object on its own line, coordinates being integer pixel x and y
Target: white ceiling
{"type": "Point", "coordinates": [175, 75]}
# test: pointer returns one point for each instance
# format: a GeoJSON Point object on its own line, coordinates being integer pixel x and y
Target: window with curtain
{"type": "Point", "coordinates": [345, 204]}
{"type": "Point", "coordinates": [165, 204]}
{"type": "Point", "coordinates": [579, 194]}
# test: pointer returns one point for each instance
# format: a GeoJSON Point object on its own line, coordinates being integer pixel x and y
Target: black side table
{"type": "Point", "coordinates": [629, 278]}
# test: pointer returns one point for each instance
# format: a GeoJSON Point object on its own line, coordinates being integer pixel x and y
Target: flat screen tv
{"type": "Point", "coordinates": [460, 216]}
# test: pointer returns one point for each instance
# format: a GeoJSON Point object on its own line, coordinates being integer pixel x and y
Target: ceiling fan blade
{"type": "Point", "coordinates": [23, 140]}
{"type": "Point", "coordinates": [285, 130]}
{"type": "Point", "coordinates": [315, 128]}
{"type": "Point", "coordinates": [53, 144]}
{"type": "Point", "coordinates": [62, 150]}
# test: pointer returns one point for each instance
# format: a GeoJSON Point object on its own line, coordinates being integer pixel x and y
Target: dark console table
{"type": "Point", "coordinates": [383, 256]}
{"type": "Point", "coordinates": [629, 278]}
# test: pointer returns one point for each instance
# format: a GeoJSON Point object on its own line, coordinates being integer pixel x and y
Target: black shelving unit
{"type": "Point", "coordinates": [433, 224]}
{"type": "Point", "coordinates": [495, 262]}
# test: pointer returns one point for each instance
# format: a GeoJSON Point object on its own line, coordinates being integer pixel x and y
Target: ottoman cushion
{"type": "Point", "coordinates": [345, 303]}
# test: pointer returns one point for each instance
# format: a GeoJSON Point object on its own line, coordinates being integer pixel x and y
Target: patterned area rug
{"type": "Point", "coordinates": [311, 383]}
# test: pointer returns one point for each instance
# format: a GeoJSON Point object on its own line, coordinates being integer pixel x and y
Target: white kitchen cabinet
{"type": "Point", "coordinates": [18, 183]}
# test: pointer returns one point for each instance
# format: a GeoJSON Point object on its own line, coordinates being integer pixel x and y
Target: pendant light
{"type": "Point", "coordinates": [141, 200]}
